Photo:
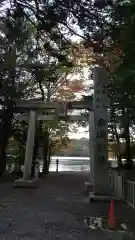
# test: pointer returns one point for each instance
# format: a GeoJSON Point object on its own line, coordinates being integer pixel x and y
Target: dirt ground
{"type": "Point", "coordinates": [55, 210]}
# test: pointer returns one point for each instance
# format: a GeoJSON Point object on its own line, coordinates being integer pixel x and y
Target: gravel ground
{"type": "Point", "coordinates": [55, 210]}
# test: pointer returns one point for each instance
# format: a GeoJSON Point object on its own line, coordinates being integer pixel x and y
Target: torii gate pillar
{"type": "Point", "coordinates": [29, 145]}
{"type": "Point", "coordinates": [99, 137]}
{"type": "Point", "coordinates": [26, 180]}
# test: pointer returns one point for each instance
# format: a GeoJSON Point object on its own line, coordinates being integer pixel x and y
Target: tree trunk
{"type": "Point", "coordinates": [115, 133]}
{"type": "Point", "coordinates": [126, 125]}
{"type": "Point", "coordinates": [5, 133]}
{"type": "Point", "coordinates": [49, 156]}
{"type": "Point", "coordinates": [2, 162]}
{"type": "Point", "coordinates": [118, 154]}
{"type": "Point", "coordinates": [45, 169]}
{"type": "Point", "coordinates": [3, 147]}
{"type": "Point", "coordinates": [7, 115]}
{"type": "Point", "coordinates": [128, 152]}
{"type": "Point", "coordinates": [35, 150]}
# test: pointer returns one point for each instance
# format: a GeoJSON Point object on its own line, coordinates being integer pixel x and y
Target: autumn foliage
{"type": "Point", "coordinates": [108, 54]}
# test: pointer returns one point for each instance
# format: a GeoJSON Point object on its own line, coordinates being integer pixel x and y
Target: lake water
{"type": "Point", "coordinates": [73, 164]}
{"type": "Point", "coordinates": [70, 164]}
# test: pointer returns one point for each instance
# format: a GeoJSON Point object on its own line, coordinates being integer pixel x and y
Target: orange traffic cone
{"type": "Point", "coordinates": [111, 220]}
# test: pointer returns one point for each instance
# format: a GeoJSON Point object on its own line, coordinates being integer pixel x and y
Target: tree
{"type": "Point", "coordinates": [121, 76]}
{"type": "Point", "coordinates": [37, 31]}
{"type": "Point", "coordinates": [60, 90]}
{"type": "Point", "coordinates": [12, 37]}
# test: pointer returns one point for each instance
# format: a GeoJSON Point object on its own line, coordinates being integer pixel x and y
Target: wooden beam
{"type": "Point", "coordinates": [42, 105]}
{"type": "Point", "coordinates": [53, 117]}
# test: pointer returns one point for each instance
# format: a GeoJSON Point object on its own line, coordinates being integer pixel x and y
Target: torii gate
{"type": "Point", "coordinates": [98, 128]}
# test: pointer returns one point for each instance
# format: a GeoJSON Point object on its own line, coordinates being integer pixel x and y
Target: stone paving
{"type": "Point", "coordinates": [55, 210]}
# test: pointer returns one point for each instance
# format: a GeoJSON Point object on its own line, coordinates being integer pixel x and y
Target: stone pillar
{"type": "Point", "coordinates": [29, 145]}
{"type": "Point", "coordinates": [101, 185]}
{"type": "Point", "coordinates": [91, 144]}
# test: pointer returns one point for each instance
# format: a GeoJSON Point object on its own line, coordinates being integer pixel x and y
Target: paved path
{"type": "Point", "coordinates": [56, 210]}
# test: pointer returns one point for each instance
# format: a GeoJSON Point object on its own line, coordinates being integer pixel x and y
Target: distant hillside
{"type": "Point", "coordinates": [80, 147]}
{"type": "Point", "coordinates": [76, 147]}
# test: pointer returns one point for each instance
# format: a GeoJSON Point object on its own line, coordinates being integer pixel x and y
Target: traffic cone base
{"type": "Point", "coordinates": [111, 220]}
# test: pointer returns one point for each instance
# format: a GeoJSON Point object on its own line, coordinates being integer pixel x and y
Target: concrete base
{"type": "Point", "coordinates": [103, 198]}
{"type": "Point", "coordinates": [21, 183]}
{"type": "Point", "coordinates": [87, 187]}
